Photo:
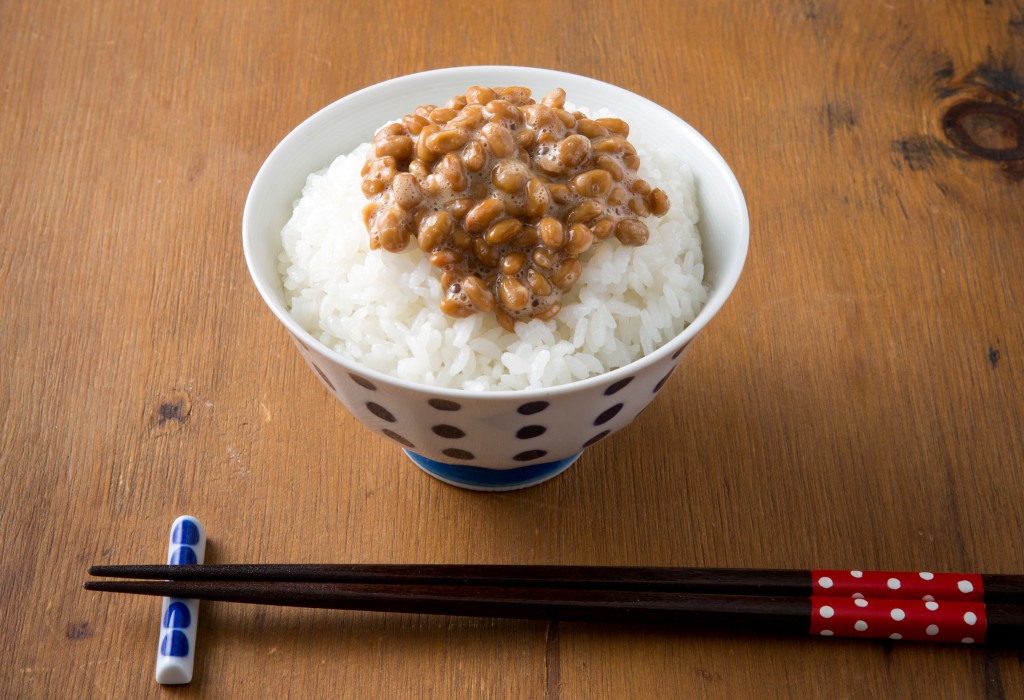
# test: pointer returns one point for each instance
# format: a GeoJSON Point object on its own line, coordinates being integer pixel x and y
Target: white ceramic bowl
{"type": "Point", "coordinates": [479, 439]}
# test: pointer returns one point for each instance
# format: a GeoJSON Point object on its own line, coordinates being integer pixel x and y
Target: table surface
{"type": "Point", "coordinates": [858, 403]}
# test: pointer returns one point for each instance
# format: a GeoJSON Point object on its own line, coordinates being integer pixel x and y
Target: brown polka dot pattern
{"type": "Point", "coordinates": [362, 381]}
{"type": "Point", "coordinates": [618, 386]}
{"type": "Point", "coordinates": [530, 431]}
{"type": "Point", "coordinates": [539, 430]}
{"type": "Point", "coordinates": [456, 453]}
{"type": "Point", "coordinates": [381, 412]}
{"type": "Point", "coordinates": [448, 431]}
{"type": "Point", "coordinates": [444, 404]}
{"type": "Point", "coordinates": [323, 376]}
{"type": "Point", "coordinates": [529, 454]}
{"type": "Point", "coordinates": [661, 382]}
{"type": "Point", "coordinates": [397, 438]}
{"type": "Point", "coordinates": [528, 409]}
{"type": "Point", "coordinates": [608, 414]}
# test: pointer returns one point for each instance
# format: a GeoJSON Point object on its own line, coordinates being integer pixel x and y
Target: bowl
{"type": "Point", "coordinates": [490, 440]}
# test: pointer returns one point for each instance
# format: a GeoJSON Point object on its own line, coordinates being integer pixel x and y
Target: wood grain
{"type": "Point", "coordinates": [858, 403]}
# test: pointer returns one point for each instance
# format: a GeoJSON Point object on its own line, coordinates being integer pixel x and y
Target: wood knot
{"type": "Point", "coordinates": [987, 130]}
{"type": "Point", "coordinates": [170, 411]}
{"type": "Point", "coordinates": [77, 631]}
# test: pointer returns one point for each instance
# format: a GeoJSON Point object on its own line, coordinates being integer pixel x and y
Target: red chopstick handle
{"type": "Point", "coordinates": [905, 585]}
{"type": "Point", "coordinates": [887, 618]}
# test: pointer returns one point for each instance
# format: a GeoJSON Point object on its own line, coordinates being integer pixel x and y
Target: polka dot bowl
{"type": "Point", "coordinates": [496, 440]}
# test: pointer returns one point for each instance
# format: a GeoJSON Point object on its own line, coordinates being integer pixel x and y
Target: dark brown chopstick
{"type": "Point", "coordinates": [486, 601]}
{"type": "Point", "coordinates": [722, 581]}
{"type": "Point", "coordinates": [997, 588]}
{"type": "Point", "coordinates": [766, 614]}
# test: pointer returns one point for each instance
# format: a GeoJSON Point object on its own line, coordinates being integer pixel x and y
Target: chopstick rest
{"type": "Point", "coordinates": [179, 617]}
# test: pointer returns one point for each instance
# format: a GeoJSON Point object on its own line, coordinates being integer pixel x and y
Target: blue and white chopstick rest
{"type": "Point", "coordinates": [179, 616]}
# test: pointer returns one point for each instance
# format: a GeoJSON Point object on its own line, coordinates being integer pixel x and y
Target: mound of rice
{"type": "Point", "coordinates": [381, 309]}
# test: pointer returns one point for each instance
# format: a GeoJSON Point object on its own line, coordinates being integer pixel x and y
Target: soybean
{"type": "Point", "coordinates": [505, 193]}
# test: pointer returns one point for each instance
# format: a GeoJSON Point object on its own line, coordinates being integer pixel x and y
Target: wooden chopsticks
{"type": "Point", "coordinates": [965, 608]}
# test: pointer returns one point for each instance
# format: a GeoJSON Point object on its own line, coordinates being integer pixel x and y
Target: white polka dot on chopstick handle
{"type": "Point", "coordinates": [888, 618]}
{"type": "Point", "coordinates": [175, 656]}
{"type": "Point", "coordinates": [918, 585]}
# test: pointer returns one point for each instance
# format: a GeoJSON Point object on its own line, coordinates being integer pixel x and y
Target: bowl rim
{"type": "Point", "coordinates": [723, 288]}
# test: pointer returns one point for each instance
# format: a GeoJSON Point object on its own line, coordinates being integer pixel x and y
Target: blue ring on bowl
{"type": "Point", "coordinates": [484, 479]}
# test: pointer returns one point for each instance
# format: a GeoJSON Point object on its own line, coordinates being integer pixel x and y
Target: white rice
{"type": "Point", "coordinates": [381, 309]}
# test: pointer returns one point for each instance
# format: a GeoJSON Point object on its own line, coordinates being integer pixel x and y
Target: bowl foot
{"type": "Point", "coordinates": [483, 479]}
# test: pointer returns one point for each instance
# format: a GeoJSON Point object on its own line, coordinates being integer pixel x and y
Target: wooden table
{"type": "Point", "coordinates": [859, 403]}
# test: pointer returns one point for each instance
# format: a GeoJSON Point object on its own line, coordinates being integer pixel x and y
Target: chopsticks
{"type": "Point", "coordinates": [785, 582]}
{"type": "Point", "coordinates": [965, 608]}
